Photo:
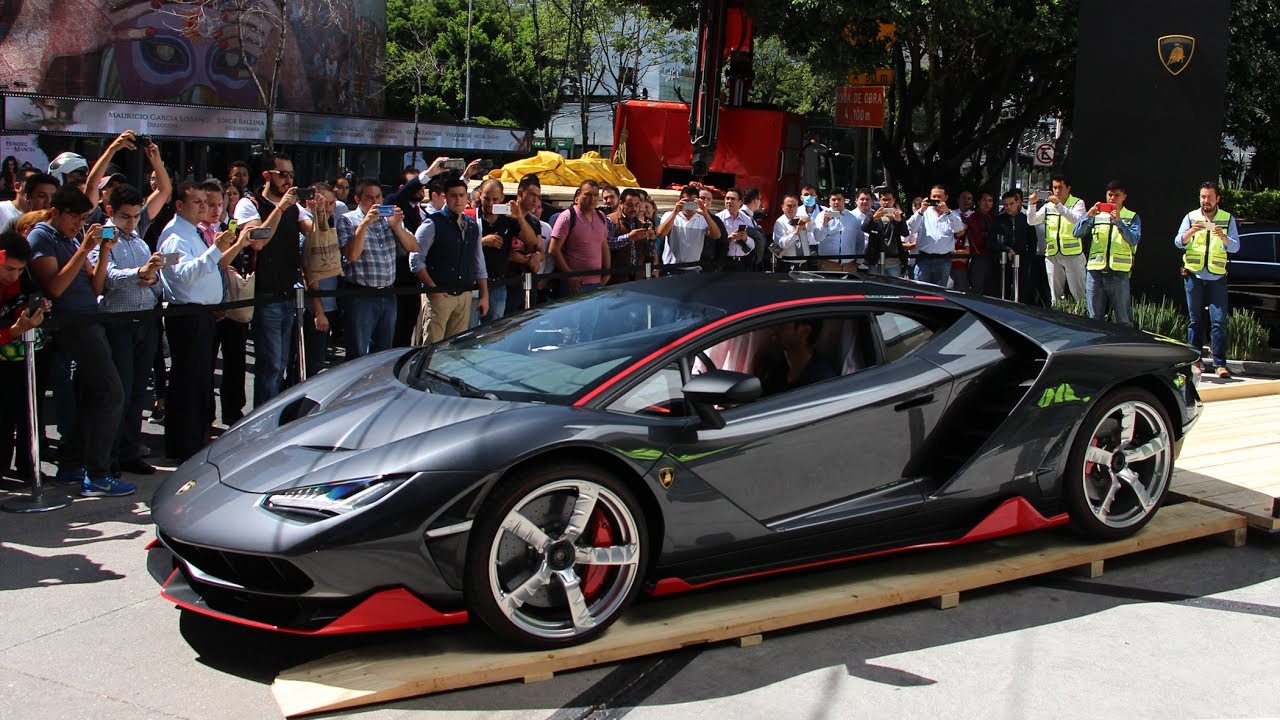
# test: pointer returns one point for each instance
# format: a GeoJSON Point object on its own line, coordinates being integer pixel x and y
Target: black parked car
{"type": "Point", "coordinates": [663, 436]}
{"type": "Point", "coordinates": [1254, 274]}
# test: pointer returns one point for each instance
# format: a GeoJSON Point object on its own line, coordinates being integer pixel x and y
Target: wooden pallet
{"type": "Point", "coordinates": [1231, 460]}
{"type": "Point", "coordinates": [1234, 389]}
{"type": "Point", "coordinates": [467, 657]}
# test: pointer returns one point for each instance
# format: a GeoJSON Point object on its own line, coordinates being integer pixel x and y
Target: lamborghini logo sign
{"type": "Point", "coordinates": [1175, 52]}
{"type": "Point", "coordinates": [186, 487]}
{"type": "Point", "coordinates": [666, 476]}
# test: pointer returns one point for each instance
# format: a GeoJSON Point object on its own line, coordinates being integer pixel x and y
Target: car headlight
{"type": "Point", "coordinates": [332, 499]}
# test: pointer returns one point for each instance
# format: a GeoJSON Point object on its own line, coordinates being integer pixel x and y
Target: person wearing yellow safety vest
{"type": "Point", "coordinates": [1207, 235]}
{"type": "Point", "coordinates": [1064, 252]}
{"type": "Point", "coordinates": [1112, 231]}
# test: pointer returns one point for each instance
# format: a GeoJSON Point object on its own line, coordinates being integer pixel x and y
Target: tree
{"type": "Point", "coordinates": [413, 65]}
{"type": "Point", "coordinates": [629, 42]}
{"type": "Point", "coordinates": [574, 21]}
{"type": "Point", "coordinates": [1253, 105]}
{"type": "Point", "coordinates": [258, 28]}
{"type": "Point", "coordinates": [786, 81]}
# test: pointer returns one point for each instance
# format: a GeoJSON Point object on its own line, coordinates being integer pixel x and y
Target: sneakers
{"type": "Point", "coordinates": [73, 475]}
{"type": "Point", "coordinates": [106, 486]}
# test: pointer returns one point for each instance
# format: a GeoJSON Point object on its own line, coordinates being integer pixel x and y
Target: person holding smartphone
{"type": "Point", "coordinates": [685, 230]}
{"type": "Point", "coordinates": [793, 240]}
{"type": "Point", "coordinates": [131, 284]}
{"type": "Point", "coordinates": [1113, 232]}
{"type": "Point", "coordinates": [1207, 236]}
{"type": "Point", "coordinates": [60, 264]}
{"type": "Point", "coordinates": [501, 224]}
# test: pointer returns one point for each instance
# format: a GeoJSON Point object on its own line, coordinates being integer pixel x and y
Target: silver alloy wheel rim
{"type": "Point", "coordinates": [579, 614]}
{"type": "Point", "coordinates": [1127, 465]}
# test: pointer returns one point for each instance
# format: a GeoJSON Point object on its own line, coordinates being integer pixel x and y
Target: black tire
{"type": "Point", "coordinates": [1110, 497]}
{"type": "Point", "coordinates": [527, 595]}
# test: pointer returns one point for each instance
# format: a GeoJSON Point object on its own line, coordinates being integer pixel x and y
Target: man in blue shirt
{"type": "Point", "coordinates": [1207, 235]}
{"type": "Point", "coordinates": [131, 284]}
{"type": "Point", "coordinates": [195, 279]}
{"type": "Point", "coordinates": [368, 241]}
{"type": "Point", "coordinates": [61, 266]}
{"type": "Point", "coordinates": [935, 226]}
{"type": "Point", "coordinates": [1111, 233]}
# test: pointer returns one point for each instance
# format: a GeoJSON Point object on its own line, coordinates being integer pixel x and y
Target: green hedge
{"type": "Point", "coordinates": [1247, 338]}
{"type": "Point", "coordinates": [1261, 205]}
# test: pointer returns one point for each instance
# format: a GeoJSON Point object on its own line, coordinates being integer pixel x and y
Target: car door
{"type": "Point", "coordinates": [834, 450]}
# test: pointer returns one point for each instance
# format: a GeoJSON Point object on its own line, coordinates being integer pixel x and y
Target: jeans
{"type": "Point", "coordinates": [133, 345]}
{"type": "Point", "coordinates": [497, 305]}
{"type": "Point", "coordinates": [1109, 290]}
{"type": "Point", "coordinates": [370, 324]}
{"type": "Point", "coordinates": [934, 270]}
{"type": "Point", "coordinates": [273, 327]}
{"type": "Point", "coordinates": [99, 397]}
{"type": "Point", "coordinates": [1214, 293]}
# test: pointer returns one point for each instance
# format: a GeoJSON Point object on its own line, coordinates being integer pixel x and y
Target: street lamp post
{"type": "Point", "coordinates": [466, 108]}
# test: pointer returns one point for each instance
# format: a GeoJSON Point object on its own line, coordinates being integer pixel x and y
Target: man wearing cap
{"type": "Point", "coordinates": [100, 182]}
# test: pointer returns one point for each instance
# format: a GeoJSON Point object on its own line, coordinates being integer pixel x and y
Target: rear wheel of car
{"type": "Point", "coordinates": [555, 555]}
{"type": "Point", "coordinates": [1121, 465]}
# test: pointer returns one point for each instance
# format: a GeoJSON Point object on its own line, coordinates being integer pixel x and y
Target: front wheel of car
{"type": "Point", "coordinates": [555, 555]}
{"type": "Point", "coordinates": [1121, 465]}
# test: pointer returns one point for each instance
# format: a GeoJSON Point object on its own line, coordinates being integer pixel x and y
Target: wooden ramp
{"type": "Point", "coordinates": [467, 657]}
{"type": "Point", "coordinates": [1213, 389]}
{"type": "Point", "coordinates": [1231, 459]}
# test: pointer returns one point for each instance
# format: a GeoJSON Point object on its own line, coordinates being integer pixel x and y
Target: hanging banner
{"type": "Point", "coordinates": [24, 149]}
{"type": "Point", "coordinates": [33, 114]}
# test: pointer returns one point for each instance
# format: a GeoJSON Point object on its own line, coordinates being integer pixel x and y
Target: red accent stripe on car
{"type": "Point", "coordinates": [693, 334]}
{"type": "Point", "coordinates": [1014, 515]}
{"type": "Point", "coordinates": [155, 543]}
{"type": "Point", "coordinates": [394, 609]}
{"type": "Point", "coordinates": [927, 297]}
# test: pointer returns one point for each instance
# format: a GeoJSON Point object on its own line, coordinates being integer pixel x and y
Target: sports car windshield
{"type": "Point", "coordinates": [551, 353]}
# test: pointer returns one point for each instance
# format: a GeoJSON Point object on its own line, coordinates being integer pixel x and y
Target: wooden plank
{"type": "Point", "coordinates": [750, 640]}
{"type": "Point", "coordinates": [467, 657]}
{"type": "Point", "coordinates": [1212, 392]}
{"type": "Point", "coordinates": [1090, 569]}
{"type": "Point", "coordinates": [1266, 451]}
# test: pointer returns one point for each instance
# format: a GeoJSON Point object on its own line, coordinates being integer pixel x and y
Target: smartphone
{"type": "Point", "coordinates": [232, 226]}
{"type": "Point", "coordinates": [501, 209]}
{"type": "Point", "coordinates": [34, 302]}
{"type": "Point", "coordinates": [932, 203]}
{"type": "Point", "coordinates": [108, 233]}
{"type": "Point", "coordinates": [171, 259]}
{"type": "Point", "coordinates": [485, 165]}
{"type": "Point", "coordinates": [386, 210]}
{"type": "Point", "coordinates": [142, 141]}
{"type": "Point", "coordinates": [689, 206]}
{"type": "Point", "coordinates": [261, 233]}
{"type": "Point", "coordinates": [304, 193]}
{"type": "Point", "coordinates": [1106, 207]}
{"type": "Point", "coordinates": [454, 164]}
{"type": "Point", "coordinates": [793, 222]}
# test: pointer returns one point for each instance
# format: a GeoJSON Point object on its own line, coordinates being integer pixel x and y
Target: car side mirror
{"type": "Point", "coordinates": [720, 387]}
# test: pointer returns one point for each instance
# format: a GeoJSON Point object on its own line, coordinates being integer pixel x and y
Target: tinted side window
{"type": "Point", "coordinates": [659, 394]}
{"type": "Point", "coordinates": [902, 335]}
{"type": "Point", "coordinates": [1257, 246]}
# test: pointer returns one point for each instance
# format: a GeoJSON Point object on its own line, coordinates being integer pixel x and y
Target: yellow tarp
{"type": "Point", "coordinates": [552, 169]}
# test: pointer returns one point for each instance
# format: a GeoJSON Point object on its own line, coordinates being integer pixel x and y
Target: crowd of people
{"type": "Point", "coordinates": [433, 258]}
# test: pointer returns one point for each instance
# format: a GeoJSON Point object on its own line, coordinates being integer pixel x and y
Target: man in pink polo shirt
{"type": "Point", "coordinates": [580, 241]}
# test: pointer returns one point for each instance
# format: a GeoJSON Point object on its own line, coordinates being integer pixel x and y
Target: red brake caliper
{"type": "Point", "coordinates": [600, 532]}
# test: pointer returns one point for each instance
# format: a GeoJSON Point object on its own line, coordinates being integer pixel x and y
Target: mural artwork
{"type": "Point", "coordinates": [194, 52]}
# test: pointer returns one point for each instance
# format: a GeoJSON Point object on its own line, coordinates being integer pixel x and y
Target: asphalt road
{"type": "Point", "coordinates": [1191, 631]}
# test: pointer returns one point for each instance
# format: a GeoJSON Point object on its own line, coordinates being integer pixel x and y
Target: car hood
{"type": "Point", "coordinates": [354, 423]}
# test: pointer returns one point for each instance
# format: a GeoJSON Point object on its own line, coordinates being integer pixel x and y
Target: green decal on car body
{"type": "Point", "coordinates": [1064, 393]}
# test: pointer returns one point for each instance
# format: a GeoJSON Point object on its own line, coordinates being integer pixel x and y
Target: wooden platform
{"type": "Point", "coordinates": [1212, 389]}
{"type": "Point", "coordinates": [466, 657]}
{"type": "Point", "coordinates": [1231, 459]}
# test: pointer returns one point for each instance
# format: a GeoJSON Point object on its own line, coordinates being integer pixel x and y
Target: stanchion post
{"type": "Point", "coordinates": [648, 270]}
{"type": "Point", "coordinates": [881, 266]}
{"type": "Point", "coordinates": [40, 500]}
{"type": "Point", "coordinates": [1004, 276]}
{"type": "Point", "coordinates": [1017, 263]}
{"type": "Point", "coordinates": [300, 312]}
{"type": "Point", "coordinates": [528, 290]}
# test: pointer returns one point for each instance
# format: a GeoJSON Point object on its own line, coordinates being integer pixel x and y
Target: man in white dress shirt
{"type": "Point", "coordinates": [1064, 252]}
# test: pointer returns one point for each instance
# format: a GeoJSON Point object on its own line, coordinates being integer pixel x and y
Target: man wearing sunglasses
{"type": "Point", "coordinates": [277, 265]}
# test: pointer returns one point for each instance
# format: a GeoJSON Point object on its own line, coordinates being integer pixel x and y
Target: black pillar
{"type": "Point", "coordinates": [1150, 88]}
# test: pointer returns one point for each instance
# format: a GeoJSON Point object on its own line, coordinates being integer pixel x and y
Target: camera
{"type": "Point", "coordinates": [304, 194]}
{"type": "Point", "coordinates": [142, 141]}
